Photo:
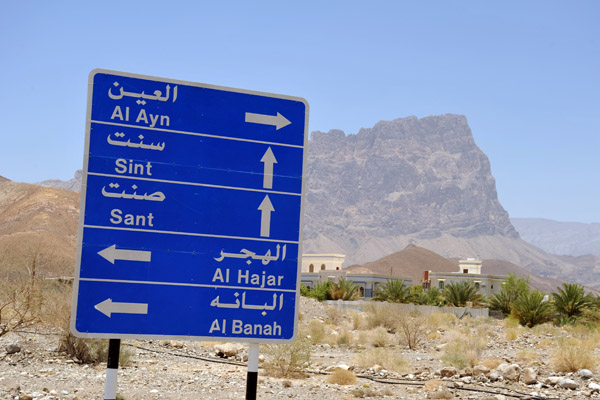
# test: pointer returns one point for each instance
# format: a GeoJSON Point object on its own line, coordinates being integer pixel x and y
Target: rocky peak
{"type": "Point", "coordinates": [409, 176]}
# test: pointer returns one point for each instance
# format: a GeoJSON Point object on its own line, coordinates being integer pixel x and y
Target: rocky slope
{"type": "Point", "coordinates": [38, 224]}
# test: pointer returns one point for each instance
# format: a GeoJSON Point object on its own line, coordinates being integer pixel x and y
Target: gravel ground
{"type": "Point", "coordinates": [193, 370]}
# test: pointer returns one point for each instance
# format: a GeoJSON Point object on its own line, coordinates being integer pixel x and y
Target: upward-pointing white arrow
{"type": "Point", "coordinates": [112, 253]}
{"type": "Point", "coordinates": [268, 159]}
{"type": "Point", "coordinates": [266, 208]}
{"type": "Point", "coordinates": [278, 121]}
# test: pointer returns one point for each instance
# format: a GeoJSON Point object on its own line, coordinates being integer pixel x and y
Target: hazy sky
{"type": "Point", "coordinates": [526, 74]}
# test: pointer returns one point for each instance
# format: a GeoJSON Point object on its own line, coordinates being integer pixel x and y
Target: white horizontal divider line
{"type": "Point", "coordinates": [116, 228]}
{"type": "Point", "coordinates": [137, 178]}
{"type": "Point", "coordinates": [197, 134]}
{"type": "Point", "coordinates": [187, 284]}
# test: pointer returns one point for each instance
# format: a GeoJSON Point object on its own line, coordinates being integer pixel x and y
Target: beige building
{"type": "Point", "coordinates": [470, 271]}
{"type": "Point", "coordinates": [318, 268]}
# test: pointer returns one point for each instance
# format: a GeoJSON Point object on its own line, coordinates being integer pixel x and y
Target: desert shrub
{"type": "Point", "coordinates": [389, 360]}
{"type": "Point", "coordinates": [287, 360]}
{"type": "Point", "coordinates": [531, 309]}
{"type": "Point", "coordinates": [20, 298]}
{"type": "Point", "coordinates": [359, 321]}
{"type": "Point", "coordinates": [334, 315]}
{"type": "Point", "coordinates": [342, 377]}
{"type": "Point", "coordinates": [317, 331]}
{"type": "Point", "coordinates": [382, 314]}
{"type": "Point", "coordinates": [463, 349]}
{"type": "Point", "coordinates": [394, 291]}
{"type": "Point", "coordinates": [459, 293]}
{"type": "Point", "coordinates": [345, 338]}
{"type": "Point", "coordinates": [92, 351]}
{"type": "Point", "coordinates": [361, 393]}
{"type": "Point", "coordinates": [379, 337]}
{"type": "Point", "coordinates": [571, 355]}
{"type": "Point", "coordinates": [411, 328]}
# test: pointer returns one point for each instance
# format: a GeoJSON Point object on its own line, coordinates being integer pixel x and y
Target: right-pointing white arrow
{"type": "Point", "coordinates": [268, 159]}
{"type": "Point", "coordinates": [278, 121]}
{"type": "Point", "coordinates": [108, 307]}
{"type": "Point", "coordinates": [112, 253]}
{"type": "Point", "coordinates": [266, 208]}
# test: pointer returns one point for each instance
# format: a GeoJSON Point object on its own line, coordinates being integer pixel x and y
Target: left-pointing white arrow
{"type": "Point", "coordinates": [108, 307]}
{"type": "Point", "coordinates": [278, 121]}
{"type": "Point", "coordinates": [112, 253]}
{"type": "Point", "coordinates": [266, 208]}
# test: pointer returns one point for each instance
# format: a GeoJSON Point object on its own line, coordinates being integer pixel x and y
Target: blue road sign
{"type": "Point", "coordinates": [191, 211]}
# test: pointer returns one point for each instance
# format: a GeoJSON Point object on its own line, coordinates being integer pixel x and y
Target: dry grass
{"type": "Point", "coordinates": [512, 334]}
{"type": "Point", "coordinates": [440, 320]}
{"type": "Point", "coordinates": [389, 360]}
{"type": "Point", "coordinates": [379, 337]}
{"type": "Point", "coordinates": [463, 349]}
{"type": "Point", "coordinates": [345, 338]}
{"type": "Point", "coordinates": [511, 322]}
{"type": "Point", "coordinates": [528, 358]}
{"type": "Point", "coordinates": [317, 331]}
{"type": "Point", "coordinates": [571, 355]}
{"type": "Point", "coordinates": [546, 329]}
{"type": "Point", "coordinates": [382, 314]}
{"type": "Point", "coordinates": [342, 377]}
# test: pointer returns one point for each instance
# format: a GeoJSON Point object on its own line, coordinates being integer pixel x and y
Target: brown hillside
{"type": "Point", "coordinates": [410, 262]}
{"type": "Point", "coordinates": [38, 223]}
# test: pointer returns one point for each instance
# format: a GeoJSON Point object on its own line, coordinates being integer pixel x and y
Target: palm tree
{"type": "Point", "coordinates": [459, 293]}
{"type": "Point", "coordinates": [531, 309]}
{"type": "Point", "coordinates": [394, 291]}
{"type": "Point", "coordinates": [343, 290]}
{"type": "Point", "coordinates": [571, 300]}
{"type": "Point", "coordinates": [512, 288]}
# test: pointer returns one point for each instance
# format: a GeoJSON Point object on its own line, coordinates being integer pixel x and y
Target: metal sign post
{"type": "Point", "coordinates": [112, 366]}
{"type": "Point", "coordinates": [252, 378]}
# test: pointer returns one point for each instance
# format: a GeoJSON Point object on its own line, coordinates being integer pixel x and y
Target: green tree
{"type": "Point", "coordinates": [571, 301]}
{"type": "Point", "coordinates": [459, 293]}
{"type": "Point", "coordinates": [511, 289]}
{"type": "Point", "coordinates": [394, 291]}
{"type": "Point", "coordinates": [531, 309]}
{"type": "Point", "coordinates": [343, 290]}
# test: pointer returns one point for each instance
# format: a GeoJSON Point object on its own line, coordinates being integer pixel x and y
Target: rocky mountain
{"type": "Point", "coordinates": [72, 184]}
{"type": "Point", "coordinates": [411, 181]}
{"type": "Point", "coordinates": [564, 238]}
{"type": "Point", "coordinates": [38, 225]}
